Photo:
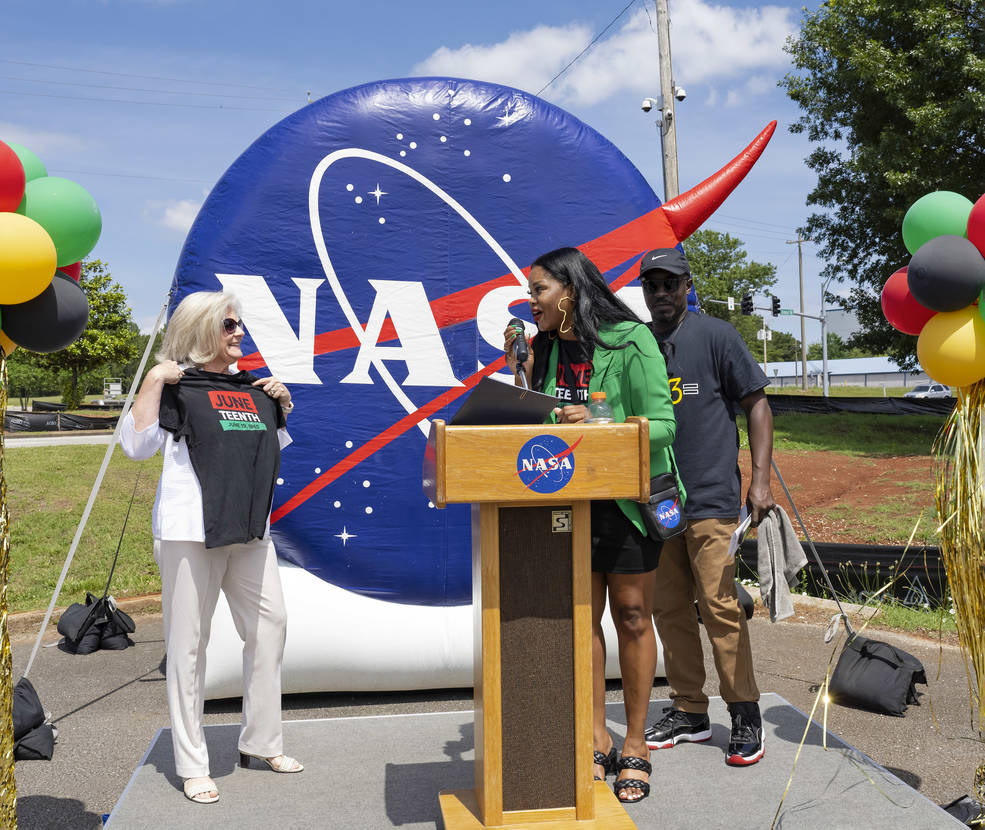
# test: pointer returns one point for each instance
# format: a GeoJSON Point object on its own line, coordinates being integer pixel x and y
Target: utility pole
{"type": "Point", "coordinates": [667, 124]}
{"type": "Point", "coordinates": [765, 364]}
{"type": "Point", "coordinates": [824, 338]}
{"type": "Point", "coordinates": [803, 330]}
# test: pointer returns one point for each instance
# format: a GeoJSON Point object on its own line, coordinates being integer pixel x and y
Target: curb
{"type": "Point", "coordinates": [25, 622]}
{"type": "Point", "coordinates": [819, 604]}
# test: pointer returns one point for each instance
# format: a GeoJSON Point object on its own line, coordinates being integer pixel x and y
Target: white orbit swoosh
{"type": "Point", "coordinates": [316, 232]}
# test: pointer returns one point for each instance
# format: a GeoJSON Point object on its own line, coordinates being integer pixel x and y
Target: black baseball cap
{"type": "Point", "coordinates": [671, 260]}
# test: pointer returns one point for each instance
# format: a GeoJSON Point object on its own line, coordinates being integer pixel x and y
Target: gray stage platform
{"type": "Point", "coordinates": [383, 772]}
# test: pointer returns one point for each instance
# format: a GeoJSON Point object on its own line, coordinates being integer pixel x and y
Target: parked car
{"type": "Point", "coordinates": [929, 390]}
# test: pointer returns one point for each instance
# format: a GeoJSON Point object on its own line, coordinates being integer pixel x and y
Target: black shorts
{"type": "Point", "coordinates": [617, 546]}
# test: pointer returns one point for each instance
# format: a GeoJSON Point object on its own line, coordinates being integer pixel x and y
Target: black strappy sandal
{"type": "Point", "coordinates": [607, 762]}
{"type": "Point", "coordinates": [634, 763]}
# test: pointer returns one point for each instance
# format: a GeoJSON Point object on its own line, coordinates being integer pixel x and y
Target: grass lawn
{"type": "Point", "coordinates": [47, 490]}
{"type": "Point", "coordinates": [853, 433]}
{"type": "Point", "coordinates": [843, 391]}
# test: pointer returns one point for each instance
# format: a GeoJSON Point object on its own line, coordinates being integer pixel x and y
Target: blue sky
{"type": "Point", "coordinates": [146, 103]}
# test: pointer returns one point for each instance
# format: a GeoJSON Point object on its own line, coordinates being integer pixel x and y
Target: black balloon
{"type": "Point", "coordinates": [51, 321]}
{"type": "Point", "coordinates": [946, 273]}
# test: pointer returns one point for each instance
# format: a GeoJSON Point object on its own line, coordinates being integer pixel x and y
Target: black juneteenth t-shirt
{"type": "Point", "coordinates": [574, 371]}
{"type": "Point", "coordinates": [709, 370]}
{"type": "Point", "coordinates": [231, 430]}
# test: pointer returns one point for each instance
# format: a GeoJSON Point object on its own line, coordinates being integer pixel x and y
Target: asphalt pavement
{"type": "Point", "coordinates": [108, 706]}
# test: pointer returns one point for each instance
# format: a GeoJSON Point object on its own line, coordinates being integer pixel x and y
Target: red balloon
{"type": "Point", "coordinates": [976, 226]}
{"type": "Point", "coordinates": [903, 312]}
{"type": "Point", "coordinates": [74, 270]}
{"type": "Point", "coordinates": [12, 179]}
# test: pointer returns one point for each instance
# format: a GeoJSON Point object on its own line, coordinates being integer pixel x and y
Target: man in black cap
{"type": "Point", "coordinates": [709, 369]}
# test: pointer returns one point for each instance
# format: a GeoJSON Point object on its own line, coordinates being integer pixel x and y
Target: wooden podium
{"type": "Point", "coordinates": [531, 487]}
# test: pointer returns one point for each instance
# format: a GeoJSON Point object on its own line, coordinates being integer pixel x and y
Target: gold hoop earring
{"type": "Point", "coordinates": [564, 317]}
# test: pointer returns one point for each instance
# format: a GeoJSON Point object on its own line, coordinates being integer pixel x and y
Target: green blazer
{"type": "Point", "coordinates": [634, 380]}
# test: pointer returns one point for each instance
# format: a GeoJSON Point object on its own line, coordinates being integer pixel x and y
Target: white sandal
{"type": "Point", "coordinates": [279, 763]}
{"type": "Point", "coordinates": [198, 789]}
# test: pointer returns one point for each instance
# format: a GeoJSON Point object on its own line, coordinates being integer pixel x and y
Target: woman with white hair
{"type": "Point", "coordinates": [221, 433]}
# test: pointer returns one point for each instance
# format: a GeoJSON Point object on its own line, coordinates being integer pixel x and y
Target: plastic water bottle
{"type": "Point", "coordinates": [599, 412]}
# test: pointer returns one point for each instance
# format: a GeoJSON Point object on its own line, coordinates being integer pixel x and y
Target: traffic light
{"type": "Point", "coordinates": [747, 303]}
{"type": "Point", "coordinates": [776, 306]}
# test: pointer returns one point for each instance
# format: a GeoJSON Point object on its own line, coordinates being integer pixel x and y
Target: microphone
{"type": "Point", "coordinates": [520, 349]}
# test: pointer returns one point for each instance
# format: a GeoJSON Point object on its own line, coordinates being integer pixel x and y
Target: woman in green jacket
{"type": "Point", "coordinates": [588, 340]}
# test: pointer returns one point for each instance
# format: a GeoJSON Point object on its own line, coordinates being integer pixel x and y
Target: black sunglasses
{"type": "Point", "coordinates": [229, 325]}
{"type": "Point", "coordinates": [669, 284]}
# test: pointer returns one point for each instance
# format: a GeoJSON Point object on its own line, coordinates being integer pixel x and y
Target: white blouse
{"type": "Point", "coordinates": [177, 514]}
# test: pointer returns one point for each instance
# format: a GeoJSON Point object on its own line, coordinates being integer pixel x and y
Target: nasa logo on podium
{"type": "Point", "coordinates": [545, 464]}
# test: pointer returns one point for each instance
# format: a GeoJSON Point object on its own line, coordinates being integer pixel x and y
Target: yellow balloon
{"type": "Point", "coordinates": [27, 259]}
{"type": "Point", "coordinates": [951, 347]}
{"type": "Point", "coordinates": [6, 344]}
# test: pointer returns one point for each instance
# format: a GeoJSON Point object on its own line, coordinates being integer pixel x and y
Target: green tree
{"type": "Point", "coordinates": [892, 94]}
{"type": "Point", "coordinates": [125, 370]}
{"type": "Point", "coordinates": [27, 379]}
{"type": "Point", "coordinates": [108, 336]}
{"type": "Point", "coordinates": [838, 349]}
{"type": "Point", "coordinates": [720, 269]}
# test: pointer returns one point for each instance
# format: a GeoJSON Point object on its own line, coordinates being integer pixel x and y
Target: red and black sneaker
{"type": "Point", "coordinates": [746, 744]}
{"type": "Point", "coordinates": [676, 726]}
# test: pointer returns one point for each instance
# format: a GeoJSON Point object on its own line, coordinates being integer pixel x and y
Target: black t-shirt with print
{"type": "Point", "coordinates": [231, 430]}
{"type": "Point", "coordinates": [574, 371]}
{"type": "Point", "coordinates": [709, 370]}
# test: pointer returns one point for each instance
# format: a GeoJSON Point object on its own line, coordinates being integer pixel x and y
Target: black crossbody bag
{"type": "Point", "coordinates": [663, 515]}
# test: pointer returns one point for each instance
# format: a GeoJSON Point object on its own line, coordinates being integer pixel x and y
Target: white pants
{"type": "Point", "coordinates": [191, 576]}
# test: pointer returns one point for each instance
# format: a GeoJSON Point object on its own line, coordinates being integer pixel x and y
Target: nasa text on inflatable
{"type": "Point", "coordinates": [378, 239]}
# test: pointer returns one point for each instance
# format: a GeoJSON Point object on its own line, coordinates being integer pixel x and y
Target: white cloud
{"type": "Point", "coordinates": [710, 43]}
{"type": "Point", "coordinates": [40, 142]}
{"type": "Point", "coordinates": [526, 60]}
{"type": "Point", "coordinates": [179, 214]}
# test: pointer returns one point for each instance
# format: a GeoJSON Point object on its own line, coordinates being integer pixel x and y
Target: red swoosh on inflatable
{"type": "Point", "coordinates": [663, 227]}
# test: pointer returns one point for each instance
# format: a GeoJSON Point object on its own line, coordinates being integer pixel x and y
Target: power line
{"type": "Point", "coordinates": [130, 176]}
{"type": "Point", "coordinates": [785, 228]}
{"type": "Point", "coordinates": [744, 232]}
{"type": "Point", "coordinates": [146, 103]}
{"type": "Point", "coordinates": [590, 45]}
{"type": "Point", "coordinates": [142, 77]}
{"type": "Point", "coordinates": [139, 89]}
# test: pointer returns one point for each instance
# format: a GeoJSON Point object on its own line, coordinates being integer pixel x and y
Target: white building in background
{"type": "Point", "coordinates": [854, 371]}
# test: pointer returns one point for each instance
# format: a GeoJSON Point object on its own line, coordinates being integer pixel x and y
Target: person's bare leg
{"type": "Point", "coordinates": [601, 739]}
{"type": "Point", "coordinates": [631, 605]}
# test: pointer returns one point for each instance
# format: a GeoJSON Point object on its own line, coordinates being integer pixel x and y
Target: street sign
{"type": "Point", "coordinates": [731, 303]}
{"type": "Point", "coordinates": [786, 311]}
{"type": "Point", "coordinates": [764, 334]}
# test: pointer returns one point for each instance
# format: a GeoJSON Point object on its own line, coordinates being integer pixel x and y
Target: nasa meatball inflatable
{"type": "Point", "coordinates": [379, 240]}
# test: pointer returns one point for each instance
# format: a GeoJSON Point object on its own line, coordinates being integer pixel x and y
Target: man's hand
{"type": "Point", "coordinates": [759, 500]}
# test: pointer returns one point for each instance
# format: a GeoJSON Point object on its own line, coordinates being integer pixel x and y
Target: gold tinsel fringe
{"type": "Point", "coordinates": [8, 786]}
{"type": "Point", "coordinates": [960, 499]}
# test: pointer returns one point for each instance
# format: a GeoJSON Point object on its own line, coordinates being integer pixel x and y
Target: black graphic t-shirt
{"type": "Point", "coordinates": [574, 371]}
{"type": "Point", "coordinates": [709, 370]}
{"type": "Point", "coordinates": [231, 430]}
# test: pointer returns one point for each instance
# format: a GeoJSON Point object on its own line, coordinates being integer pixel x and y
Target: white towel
{"type": "Point", "coordinates": [781, 557]}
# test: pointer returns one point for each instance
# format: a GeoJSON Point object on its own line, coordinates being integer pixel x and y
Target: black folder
{"type": "Point", "coordinates": [492, 403]}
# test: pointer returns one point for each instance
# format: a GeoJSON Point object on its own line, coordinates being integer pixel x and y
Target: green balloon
{"type": "Point", "coordinates": [941, 213]}
{"type": "Point", "coordinates": [33, 168]}
{"type": "Point", "coordinates": [67, 212]}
